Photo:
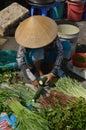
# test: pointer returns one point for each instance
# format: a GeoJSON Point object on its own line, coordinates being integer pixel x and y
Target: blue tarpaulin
{"type": "Point", "coordinates": [8, 60]}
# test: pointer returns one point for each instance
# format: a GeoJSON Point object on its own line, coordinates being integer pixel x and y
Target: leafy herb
{"type": "Point", "coordinates": [71, 117]}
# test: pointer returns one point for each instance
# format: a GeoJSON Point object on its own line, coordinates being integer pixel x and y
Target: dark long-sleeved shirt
{"type": "Point", "coordinates": [22, 64]}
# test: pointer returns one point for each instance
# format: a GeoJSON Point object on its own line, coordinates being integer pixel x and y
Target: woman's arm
{"type": "Point", "coordinates": [22, 65]}
{"type": "Point", "coordinates": [54, 72]}
{"type": "Point", "coordinates": [59, 57]}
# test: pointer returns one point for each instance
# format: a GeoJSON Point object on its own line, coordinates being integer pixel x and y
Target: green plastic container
{"type": "Point", "coordinates": [59, 10]}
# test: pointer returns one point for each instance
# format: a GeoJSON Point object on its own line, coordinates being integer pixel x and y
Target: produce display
{"type": "Point", "coordinates": [63, 107]}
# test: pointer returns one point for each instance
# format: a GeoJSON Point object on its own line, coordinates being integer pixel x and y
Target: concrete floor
{"type": "Point", "coordinates": [11, 44]}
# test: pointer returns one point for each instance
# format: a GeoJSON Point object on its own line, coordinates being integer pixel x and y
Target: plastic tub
{"type": "Point", "coordinates": [68, 31]}
{"type": "Point", "coordinates": [78, 63]}
{"type": "Point", "coordinates": [75, 11]}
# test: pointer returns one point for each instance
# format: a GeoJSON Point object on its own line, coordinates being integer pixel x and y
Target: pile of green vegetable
{"type": "Point", "coordinates": [70, 117]}
{"type": "Point", "coordinates": [19, 91]}
{"type": "Point", "coordinates": [64, 106]}
{"type": "Point", "coordinates": [70, 87]}
{"type": "Point", "coordinates": [10, 77]}
{"type": "Point", "coordinates": [26, 119]}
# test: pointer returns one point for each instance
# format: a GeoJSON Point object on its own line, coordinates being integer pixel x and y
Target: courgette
{"type": "Point", "coordinates": [42, 80]}
{"type": "Point", "coordinates": [40, 89]}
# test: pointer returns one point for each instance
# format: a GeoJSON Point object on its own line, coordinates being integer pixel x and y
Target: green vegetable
{"type": "Point", "coordinates": [42, 80]}
{"type": "Point", "coordinates": [5, 94]}
{"type": "Point", "coordinates": [19, 91]}
{"type": "Point", "coordinates": [40, 89]}
{"type": "Point", "coordinates": [10, 77]}
{"type": "Point", "coordinates": [71, 117]}
{"type": "Point", "coordinates": [37, 95]}
{"type": "Point", "coordinates": [26, 119]}
{"type": "Point", "coordinates": [80, 59]}
{"type": "Point", "coordinates": [25, 93]}
{"type": "Point", "coordinates": [70, 87]}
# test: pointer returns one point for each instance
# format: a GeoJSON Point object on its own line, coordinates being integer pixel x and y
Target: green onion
{"type": "Point", "coordinates": [26, 119]}
{"type": "Point", "coordinates": [70, 87]}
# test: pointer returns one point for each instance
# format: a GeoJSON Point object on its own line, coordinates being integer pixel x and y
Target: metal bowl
{"type": "Point", "coordinates": [41, 1]}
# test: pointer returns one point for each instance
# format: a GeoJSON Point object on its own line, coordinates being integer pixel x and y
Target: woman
{"type": "Point", "coordinates": [39, 47]}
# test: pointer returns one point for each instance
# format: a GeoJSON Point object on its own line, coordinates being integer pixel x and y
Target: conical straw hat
{"type": "Point", "coordinates": [36, 31]}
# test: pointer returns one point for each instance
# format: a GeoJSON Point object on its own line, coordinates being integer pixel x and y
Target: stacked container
{"type": "Point", "coordinates": [75, 10]}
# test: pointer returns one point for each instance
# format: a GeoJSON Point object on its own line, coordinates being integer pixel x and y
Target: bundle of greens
{"type": "Point", "coordinates": [19, 91]}
{"type": "Point", "coordinates": [70, 87]}
{"type": "Point", "coordinates": [5, 94]}
{"type": "Point", "coordinates": [25, 93]}
{"type": "Point", "coordinates": [26, 119]}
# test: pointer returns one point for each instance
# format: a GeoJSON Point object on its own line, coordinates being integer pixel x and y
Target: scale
{"type": "Point", "coordinates": [78, 71]}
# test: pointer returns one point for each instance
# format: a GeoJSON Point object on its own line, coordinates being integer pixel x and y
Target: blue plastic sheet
{"type": "Point", "coordinates": [8, 60]}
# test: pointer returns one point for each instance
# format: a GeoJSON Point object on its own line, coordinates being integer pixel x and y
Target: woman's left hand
{"type": "Point", "coordinates": [49, 76]}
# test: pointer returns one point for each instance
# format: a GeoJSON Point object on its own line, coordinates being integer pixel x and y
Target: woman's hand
{"type": "Point", "coordinates": [49, 76]}
{"type": "Point", "coordinates": [35, 83]}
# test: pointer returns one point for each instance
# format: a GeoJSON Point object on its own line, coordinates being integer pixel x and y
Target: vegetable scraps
{"type": "Point", "coordinates": [70, 87]}
{"type": "Point", "coordinates": [26, 119]}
